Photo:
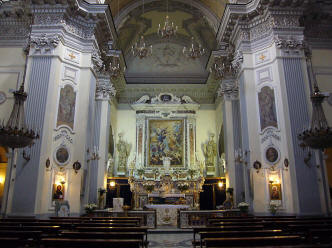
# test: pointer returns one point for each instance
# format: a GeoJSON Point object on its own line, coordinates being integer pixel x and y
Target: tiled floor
{"type": "Point", "coordinates": [167, 239]}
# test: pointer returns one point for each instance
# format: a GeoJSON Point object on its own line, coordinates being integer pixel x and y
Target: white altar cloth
{"type": "Point", "coordinates": [167, 214]}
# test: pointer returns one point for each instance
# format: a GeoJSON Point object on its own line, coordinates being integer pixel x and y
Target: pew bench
{"type": "Point", "coordinates": [69, 243]}
{"type": "Point", "coordinates": [253, 241]}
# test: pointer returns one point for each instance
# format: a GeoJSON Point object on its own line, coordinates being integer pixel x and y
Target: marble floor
{"type": "Point", "coordinates": [170, 239]}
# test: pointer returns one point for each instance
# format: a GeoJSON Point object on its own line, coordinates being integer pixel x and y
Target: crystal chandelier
{"type": "Point", "coordinates": [319, 134]}
{"type": "Point", "coordinates": [195, 51]}
{"type": "Point", "coordinates": [169, 29]}
{"type": "Point", "coordinates": [15, 133]}
{"type": "Point", "coordinates": [140, 49]}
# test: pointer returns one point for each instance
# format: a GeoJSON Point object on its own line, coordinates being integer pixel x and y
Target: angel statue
{"type": "Point", "coordinates": [210, 152]}
{"type": "Point", "coordinates": [123, 154]}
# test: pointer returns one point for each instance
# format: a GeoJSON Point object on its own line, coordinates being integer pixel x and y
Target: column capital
{"type": "Point", "coordinates": [104, 89]}
{"type": "Point", "coordinates": [43, 44]}
{"type": "Point", "coordinates": [228, 89]}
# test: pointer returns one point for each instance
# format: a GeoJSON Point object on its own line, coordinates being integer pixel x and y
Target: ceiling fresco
{"type": "Point", "coordinates": [190, 24]}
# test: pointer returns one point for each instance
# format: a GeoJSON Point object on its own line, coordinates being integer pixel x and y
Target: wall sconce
{"type": "Point", "coordinates": [2, 180]}
{"type": "Point", "coordinates": [94, 155]}
{"type": "Point", "coordinates": [112, 184]}
{"type": "Point", "coordinates": [220, 184]}
{"type": "Point", "coordinates": [257, 165]}
{"type": "Point", "coordinates": [241, 156]}
{"type": "Point", "coordinates": [26, 156]}
{"type": "Point", "coordinates": [77, 166]}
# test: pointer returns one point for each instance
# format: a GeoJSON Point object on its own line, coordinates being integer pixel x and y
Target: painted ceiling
{"type": "Point", "coordinates": [167, 66]}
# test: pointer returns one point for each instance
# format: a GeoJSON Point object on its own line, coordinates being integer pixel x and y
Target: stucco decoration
{"type": "Point", "coordinates": [66, 110]}
{"type": "Point", "coordinates": [267, 108]}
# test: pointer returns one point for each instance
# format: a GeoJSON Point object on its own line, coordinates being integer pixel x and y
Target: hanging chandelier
{"type": "Point", "coordinates": [15, 133]}
{"type": "Point", "coordinates": [218, 68]}
{"type": "Point", "coordinates": [114, 67]}
{"type": "Point", "coordinates": [140, 49]}
{"type": "Point", "coordinates": [195, 51]}
{"type": "Point", "coordinates": [319, 134]}
{"type": "Point", "coordinates": [169, 29]}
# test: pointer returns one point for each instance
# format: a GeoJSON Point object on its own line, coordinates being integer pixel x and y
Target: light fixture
{"type": "Point", "coordinates": [2, 180]}
{"type": "Point", "coordinates": [15, 134]}
{"type": "Point", "coordinates": [112, 184]}
{"type": "Point", "coordinates": [169, 29]}
{"type": "Point", "coordinates": [140, 49]}
{"type": "Point", "coordinates": [220, 184]}
{"type": "Point", "coordinates": [319, 134]}
{"type": "Point", "coordinates": [217, 69]}
{"type": "Point", "coordinates": [115, 70]}
{"type": "Point", "coordinates": [195, 51]}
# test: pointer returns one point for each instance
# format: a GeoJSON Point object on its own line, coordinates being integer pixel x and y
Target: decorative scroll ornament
{"type": "Point", "coordinates": [290, 43]}
{"type": "Point", "coordinates": [105, 91]}
{"type": "Point", "coordinates": [237, 61]}
{"type": "Point", "coordinates": [97, 62]}
{"type": "Point", "coordinates": [44, 43]}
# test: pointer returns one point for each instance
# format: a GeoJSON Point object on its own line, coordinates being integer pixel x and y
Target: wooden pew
{"type": "Point", "coordinates": [69, 243]}
{"type": "Point", "coordinates": [10, 242]}
{"type": "Point", "coordinates": [253, 241]}
{"type": "Point", "coordinates": [322, 235]}
{"type": "Point", "coordinates": [230, 234]}
{"type": "Point", "coordinates": [105, 235]}
{"type": "Point", "coordinates": [197, 230]}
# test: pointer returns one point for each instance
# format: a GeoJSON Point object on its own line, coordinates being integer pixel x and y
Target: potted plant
{"type": "Point", "coordinates": [244, 207]}
{"type": "Point", "coordinates": [89, 208]}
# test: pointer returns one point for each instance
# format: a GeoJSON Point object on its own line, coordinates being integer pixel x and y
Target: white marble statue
{"type": "Point", "coordinates": [123, 149]}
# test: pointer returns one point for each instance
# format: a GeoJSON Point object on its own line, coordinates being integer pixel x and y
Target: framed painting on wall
{"type": "Point", "coordinates": [166, 140]}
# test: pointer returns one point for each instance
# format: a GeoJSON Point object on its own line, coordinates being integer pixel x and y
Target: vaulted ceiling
{"type": "Point", "coordinates": [167, 69]}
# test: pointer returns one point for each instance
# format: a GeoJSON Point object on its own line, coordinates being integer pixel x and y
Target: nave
{"type": "Point", "coordinates": [131, 232]}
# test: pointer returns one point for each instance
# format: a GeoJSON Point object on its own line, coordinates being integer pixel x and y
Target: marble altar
{"type": "Point", "coordinates": [167, 214]}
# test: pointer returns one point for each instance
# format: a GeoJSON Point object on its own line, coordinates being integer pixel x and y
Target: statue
{"type": "Point", "coordinates": [123, 153]}
{"type": "Point", "coordinates": [210, 153]}
{"type": "Point", "coordinates": [110, 165]}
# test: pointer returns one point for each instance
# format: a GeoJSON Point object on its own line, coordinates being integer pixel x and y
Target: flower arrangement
{"type": "Point", "coordinates": [243, 206]}
{"type": "Point", "coordinates": [149, 187]}
{"type": "Point", "coordinates": [90, 207]}
{"type": "Point", "coordinates": [183, 187]}
{"type": "Point", "coordinates": [273, 208]}
{"type": "Point", "coordinates": [140, 172]}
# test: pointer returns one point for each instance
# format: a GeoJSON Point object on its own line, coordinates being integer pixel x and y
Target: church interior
{"type": "Point", "coordinates": [165, 123]}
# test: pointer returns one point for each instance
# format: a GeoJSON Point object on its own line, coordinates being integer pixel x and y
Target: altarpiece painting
{"type": "Point", "coordinates": [66, 110]}
{"type": "Point", "coordinates": [165, 140]}
{"type": "Point", "coordinates": [267, 108]}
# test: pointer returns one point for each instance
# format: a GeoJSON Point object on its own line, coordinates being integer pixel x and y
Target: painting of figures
{"type": "Point", "coordinates": [267, 108]}
{"type": "Point", "coordinates": [66, 110]}
{"type": "Point", "coordinates": [166, 141]}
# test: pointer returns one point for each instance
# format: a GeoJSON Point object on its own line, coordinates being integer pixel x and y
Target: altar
{"type": "Point", "coordinates": [167, 215]}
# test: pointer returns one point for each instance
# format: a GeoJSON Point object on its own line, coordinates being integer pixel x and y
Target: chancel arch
{"type": "Point", "coordinates": [213, 112]}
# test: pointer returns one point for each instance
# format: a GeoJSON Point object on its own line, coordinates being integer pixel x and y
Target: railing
{"type": "Point", "coordinates": [197, 218]}
{"type": "Point", "coordinates": [148, 216]}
